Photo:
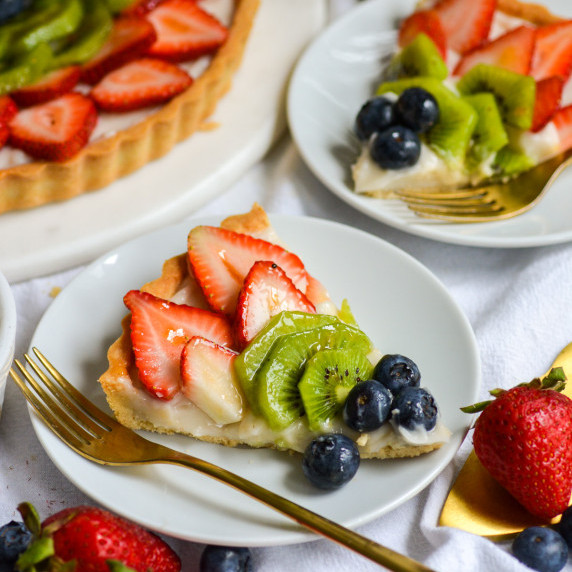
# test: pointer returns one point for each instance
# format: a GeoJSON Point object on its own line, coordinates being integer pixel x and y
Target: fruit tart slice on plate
{"type": "Point", "coordinates": [92, 90]}
{"type": "Point", "coordinates": [475, 90]}
{"type": "Point", "coordinates": [236, 343]}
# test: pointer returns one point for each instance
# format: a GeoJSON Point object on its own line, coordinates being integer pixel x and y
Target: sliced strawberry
{"type": "Point", "coordinates": [209, 380]}
{"type": "Point", "coordinates": [159, 330]}
{"type": "Point", "coordinates": [8, 109]}
{"type": "Point", "coordinates": [129, 39]}
{"type": "Point", "coordinates": [427, 22]}
{"type": "Point", "coordinates": [140, 83]}
{"type": "Point", "coordinates": [185, 31]}
{"type": "Point", "coordinates": [562, 119]}
{"type": "Point", "coordinates": [51, 86]}
{"type": "Point", "coordinates": [512, 51]}
{"type": "Point", "coordinates": [266, 292]}
{"type": "Point", "coordinates": [221, 259]}
{"type": "Point", "coordinates": [548, 96]}
{"type": "Point", "coordinates": [466, 23]}
{"type": "Point", "coordinates": [56, 130]}
{"type": "Point", "coordinates": [553, 53]}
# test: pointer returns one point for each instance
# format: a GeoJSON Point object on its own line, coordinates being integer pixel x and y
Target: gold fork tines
{"type": "Point", "coordinates": [100, 438]}
{"type": "Point", "coordinates": [487, 202]}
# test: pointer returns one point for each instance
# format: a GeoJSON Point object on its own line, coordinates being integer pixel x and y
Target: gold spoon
{"type": "Point", "coordinates": [478, 504]}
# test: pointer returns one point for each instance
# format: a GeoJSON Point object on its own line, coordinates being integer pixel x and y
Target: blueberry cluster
{"type": "Point", "coordinates": [393, 128]}
{"type": "Point", "coordinates": [331, 460]}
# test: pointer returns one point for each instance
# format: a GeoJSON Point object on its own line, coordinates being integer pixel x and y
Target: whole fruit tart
{"type": "Point", "coordinates": [476, 89]}
{"type": "Point", "coordinates": [92, 90]}
{"type": "Point", "coordinates": [237, 343]}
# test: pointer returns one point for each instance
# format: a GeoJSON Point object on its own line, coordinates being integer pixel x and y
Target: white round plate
{"type": "Point", "coordinates": [396, 300]}
{"type": "Point", "coordinates": [61, 235]}
{"type": "Point", "coordinates": [336, 75]}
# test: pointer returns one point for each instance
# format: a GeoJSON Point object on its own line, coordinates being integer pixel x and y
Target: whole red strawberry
{"type": "Point", "coordinates": [93, 539]}
{"type": "Point", "coordinates": [524, 439]}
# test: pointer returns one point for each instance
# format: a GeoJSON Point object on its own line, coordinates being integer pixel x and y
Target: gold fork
{"type": "Point", "coordinates": [100, 438]}
{"type": "Point", "coordinates": [489, 201]}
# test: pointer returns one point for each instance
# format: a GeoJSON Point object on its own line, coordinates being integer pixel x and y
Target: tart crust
{"type": "Point", "coordinates": [121, 379]}
{"type": "Point", "coordinates": [103, 161]}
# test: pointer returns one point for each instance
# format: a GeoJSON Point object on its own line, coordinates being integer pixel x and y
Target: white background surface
{"type": "Point", "coordinates": [517, 300]}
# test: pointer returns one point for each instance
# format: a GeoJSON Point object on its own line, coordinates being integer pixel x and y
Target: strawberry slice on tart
{"type": "Point", "coordinates": [512, 51]}
{"type": "Point", "coordinates": [423, 22]}
{"type": "Point", "coordinates": [140, 83]}
{"type": "Point", "coordinates": [548, 98]}
{"type": "Point", "coordinates": [56, 130]}
{"type": "Point", "coordinates": [553, 51]}
{"type": "Point", "coordinates": [130, 38]}
{"type": "Point", "coordinates": [220, 260]}
{"type": "Point", "coordinates": [266, 291]}
{"type": "Point", "coordinates": [466, 23]}
{"type": "Point", "coordinates": [185, 31]}
{"type": "Point", "coordinates": [51, 86]}
{"type": "Point", "coordinates": [159, 330]}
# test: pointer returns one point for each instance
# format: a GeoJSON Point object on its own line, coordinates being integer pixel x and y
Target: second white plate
{"type": "Point", "coordinates": [336, 75]}
{"type": "Point", "coordinates": [396, 300]}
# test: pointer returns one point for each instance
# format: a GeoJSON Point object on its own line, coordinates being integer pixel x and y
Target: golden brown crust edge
{"type": "Point", "coordinates": [104, 161]}
{"type": "Point", "coordinates": [174, 274]}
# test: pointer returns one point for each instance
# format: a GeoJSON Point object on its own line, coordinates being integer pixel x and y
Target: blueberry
{"type": "Point", "coordinates": [396, 372]}
{"type": "Point", "coordinates": [396, 147]}
{"type": "Point", "coordinates": [330, 461]}
{"type": "Point", "coordinates": [565, 526]}
{"type": "Point", "coordinates": [225, 559]}
{"type": "Point", "coordinates": [417, 109]}
{"type": "Point", "coordinates": [9, 8]}
{"type": "Point", "coordinates": [376, 114]}
{"type": "Point", "coordinates": [414, 407]}
{"type": "Point", "coordinates": [367, 406]}
{"type": "Point", "coordinates": [541, 549]}
{"type": "Point", "coordinates": [14, 539]}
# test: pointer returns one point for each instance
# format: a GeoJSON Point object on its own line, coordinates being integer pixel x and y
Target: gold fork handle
{"type": "Point", "coordinates": [319, 524]}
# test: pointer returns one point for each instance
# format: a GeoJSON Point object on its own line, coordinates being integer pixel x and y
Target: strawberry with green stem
{"type": "Point", "coordinates": [523, 437]}
{"type": "Point", "coordinates": [91, 539]}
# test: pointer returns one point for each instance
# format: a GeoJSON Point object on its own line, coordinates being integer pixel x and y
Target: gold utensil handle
{"type": "Point", "coordinates": [319, 524]}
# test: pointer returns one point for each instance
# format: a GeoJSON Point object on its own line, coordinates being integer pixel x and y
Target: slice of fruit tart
{"type": "Point", "coordinates": [476, 89]}
{"type": "Point", "coordinates": [237, 343]}
{"type": "Point", "coordinates": [92, 90]}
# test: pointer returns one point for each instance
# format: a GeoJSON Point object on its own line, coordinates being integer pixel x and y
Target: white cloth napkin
{"type": "Point", "coordinates": [518, 302]}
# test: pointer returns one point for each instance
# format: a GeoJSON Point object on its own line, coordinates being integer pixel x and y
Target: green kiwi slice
{"type": "Point", "coordinates": [328, 377]}
{"type": "Point", "coordinates": [252, 357]}
{"type": "Point", "coordinates": [420, 58]}
{"type": "Point", "coordinates": [511, 160]}
{"type": "Point", "coordinates": [515, 93]}
{"type": "Point", "coordinates": [451, 135]}
{"type": "Point", "coordinates": [489, 135]}
{"type": "Point", "coordinates": [277, 380]}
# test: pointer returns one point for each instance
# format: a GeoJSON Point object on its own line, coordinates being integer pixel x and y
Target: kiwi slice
{"type": "Point", "coordinates": [515, 93]}
{"type": "Point", "coordinates": [489, 135]}
{"type": "Point", "coordinates": [451, 135]}
{"type": "Point", "coordinates": [512, 160]}
{"type": "Point", "coordinates": [420, 58]}
{"type": "Point", "coordinates": [277, 380]}
{"type": "Point", "coordinates": [328, 377]}
{"type": "Point", "coordinates": [252, 357]}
